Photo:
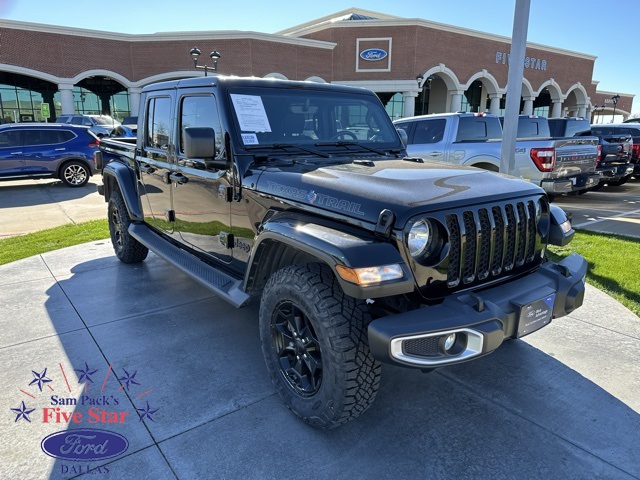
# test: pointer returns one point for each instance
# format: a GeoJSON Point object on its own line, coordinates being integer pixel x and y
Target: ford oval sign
{"type": "Point", "coordinates": [373, 54]}
{"type": "Point", "coordinates": [85, 445]}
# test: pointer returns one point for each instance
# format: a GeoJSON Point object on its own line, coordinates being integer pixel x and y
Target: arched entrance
{"type": "Point", "coordinates": [101, 95]}
{"type": "Point", "coordinates": [22, 97]}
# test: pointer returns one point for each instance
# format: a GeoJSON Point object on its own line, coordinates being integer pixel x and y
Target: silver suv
{"type": "Point", "coordinates": [100, 125]}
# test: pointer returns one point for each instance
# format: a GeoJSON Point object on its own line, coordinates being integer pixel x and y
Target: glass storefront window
{"type": "Point", "coordinates": [120, 106]}
{"type": "Point", "coordinates": [19, 105]}
{"type": "Point", "coordinates": [395, 106]}
{"type": "Point", "coordinates": [85, 101]}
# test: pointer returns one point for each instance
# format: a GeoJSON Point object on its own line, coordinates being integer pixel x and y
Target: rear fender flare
{"type": "Point", "coordinates": [121, 177]}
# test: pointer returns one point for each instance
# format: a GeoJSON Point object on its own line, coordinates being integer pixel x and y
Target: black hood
{"type": "Point", "coordinates": [363, 190]}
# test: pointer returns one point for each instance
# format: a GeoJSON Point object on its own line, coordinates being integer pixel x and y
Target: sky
{"type": "Point", "coordinates": [602, 29]}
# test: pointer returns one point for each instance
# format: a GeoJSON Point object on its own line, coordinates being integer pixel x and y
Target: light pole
{"type": "Point", "coordinates": [215, 55]}
{"type": "Point", "coordinates": [614, 99]}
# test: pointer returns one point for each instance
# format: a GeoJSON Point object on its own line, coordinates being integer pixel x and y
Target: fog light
{"type": "Point", "coordinates": [449, 342]}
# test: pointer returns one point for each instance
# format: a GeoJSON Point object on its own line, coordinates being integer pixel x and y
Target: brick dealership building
{"type": "Point", "coordinates": [415, 66]}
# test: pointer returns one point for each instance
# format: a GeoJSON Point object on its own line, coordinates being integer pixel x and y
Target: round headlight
{"type": "Point", "coordinates": [420, 238]}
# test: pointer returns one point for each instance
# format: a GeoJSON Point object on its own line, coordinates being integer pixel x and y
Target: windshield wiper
{"type": "Point", "coordinates": [350, 144]}
{"type": "Point", "coordinates": [287, 146]}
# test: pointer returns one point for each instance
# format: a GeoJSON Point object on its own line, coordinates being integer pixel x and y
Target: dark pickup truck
{"type": "Point", "coordinates": [615, 165]}
{"type": "Point", "coordinates": [357, 253]}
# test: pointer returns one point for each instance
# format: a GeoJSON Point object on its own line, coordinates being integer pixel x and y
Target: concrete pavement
{"type": "Point", "coordinates": [186, 371]}
{"type": "Point", "coordinates": [31, 205]}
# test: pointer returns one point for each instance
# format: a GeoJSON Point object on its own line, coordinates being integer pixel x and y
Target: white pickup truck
{"type": "Point", "coordinates": [558, 165]}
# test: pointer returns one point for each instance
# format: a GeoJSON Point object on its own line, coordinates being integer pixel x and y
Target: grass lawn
{"type": "Point", "coordinates": [613, 261]}
{"type": "Point", "coordinates": [23, 246]}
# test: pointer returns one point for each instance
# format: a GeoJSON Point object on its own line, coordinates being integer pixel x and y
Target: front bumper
{"type": "Point", "coordinates": [481, 320]}
{"type": "Point", "coordinates": [571, 184]}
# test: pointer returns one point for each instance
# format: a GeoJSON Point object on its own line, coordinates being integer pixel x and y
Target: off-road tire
{"type": "Point", "coordinates": [127, 248]}
{"type": "Point", "coordinates": [75, 174]}
{"type": "Point", "coordinates": [335, 327]}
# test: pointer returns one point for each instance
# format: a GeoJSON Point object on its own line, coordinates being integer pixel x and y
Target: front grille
{"type": "Point", "coordinates": [489, 241]}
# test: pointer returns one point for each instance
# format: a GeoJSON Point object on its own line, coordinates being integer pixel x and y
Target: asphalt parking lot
{"type": "Point", "coordinates": [86, 340]}
{"type": "Point", "coordinates": [612, 209]}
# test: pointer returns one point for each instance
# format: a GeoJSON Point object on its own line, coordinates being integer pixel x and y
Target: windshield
{"type": "Point", "coordinates": [275, 116]}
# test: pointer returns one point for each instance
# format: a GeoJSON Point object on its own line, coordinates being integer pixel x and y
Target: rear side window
{"type": "Point", "coordinates": [46, 137]}
{"type": "Point", "coordinates": [602, 130]}
{"type": "Point", "coordinates": [9, 139]}
{"type": "Point", "coordinates": [533, 127]}
{"type": "Point", "coordinates": [634, 132]}
{"type": "Point", "coordinates": [62, 119]}
{"type": "Point", "coordinates": [158, 128]}
{"type": "Point", "coordinates": [577, 128]}
{"type": "Point", "coordinates": [476, 129]}
{"type": "Point", "coordinates": [429, 131]}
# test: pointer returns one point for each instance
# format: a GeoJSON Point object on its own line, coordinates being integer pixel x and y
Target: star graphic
{"type": "Point", "coordinates": [85, 374]}
{"type": "Point", "coordinates": [129, 379]}
{"type": "Point", "coordinates": [40, 378]}
{"type": "Point", "coordinates": [24, 413]}
{"type": "Point", "coordinates": [147, 412]}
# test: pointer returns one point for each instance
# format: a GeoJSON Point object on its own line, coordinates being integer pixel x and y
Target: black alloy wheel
{"type": "Point", "coordinates": [297, 348]}
{"type": "Point", "coordinates": [315, 345]}
{"type": "Point", "coordinates": [127, 248]}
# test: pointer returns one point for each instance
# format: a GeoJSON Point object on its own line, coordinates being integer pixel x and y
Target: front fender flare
{"type": "Point", "coordinates": [333, 247]}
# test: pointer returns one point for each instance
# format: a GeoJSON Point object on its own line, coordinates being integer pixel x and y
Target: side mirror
{"type": "Point", "coordinates": [200, 142]}
{"type": "Point", "coordinates": [561, 232]}
{"type": "Point", "coordinates": [402, 133]}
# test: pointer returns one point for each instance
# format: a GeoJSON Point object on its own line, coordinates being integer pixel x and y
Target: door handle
{"type": "Point", "coordinates": [146, 169]}
{"type": "Point", "coordinates": [178, 178]}
{"type": "Point", "coordinates": [435, 154]}
{"type": "Point", "coordinates": [60, 149]}
{"type": "Point", "coordinates": [16, 153]}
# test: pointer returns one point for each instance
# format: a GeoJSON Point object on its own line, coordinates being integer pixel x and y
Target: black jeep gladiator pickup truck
{"type": "Point", "coordinates": [301, 194]}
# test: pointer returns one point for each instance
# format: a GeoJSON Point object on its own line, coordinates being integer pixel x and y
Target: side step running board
{"type": "Point", "coordinates": [222, 284]}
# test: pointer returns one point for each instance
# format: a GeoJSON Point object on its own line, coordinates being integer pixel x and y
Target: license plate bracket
{"type": "Point", "coordinates": [535, 314]}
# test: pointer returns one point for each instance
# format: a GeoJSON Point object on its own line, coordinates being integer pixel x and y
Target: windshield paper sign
{"type": "Point", "coordinates": [251, 114]}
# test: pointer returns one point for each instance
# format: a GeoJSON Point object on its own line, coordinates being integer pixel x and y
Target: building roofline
{"type": "Point", "coordinates": [604, 92]}
{"type": "Point", "coordinates": [333, 21]}
{"type": "Point", "coordinates": [165, 36]}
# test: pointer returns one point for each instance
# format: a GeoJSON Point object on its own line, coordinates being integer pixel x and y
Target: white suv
{"type": "Point", "coordinates": [100, 125]}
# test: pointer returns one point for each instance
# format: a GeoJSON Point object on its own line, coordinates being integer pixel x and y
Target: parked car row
{"type": "Point", "coordinates": [561, 155]}
{"type": "Point", "coordinates": [558, 165]}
